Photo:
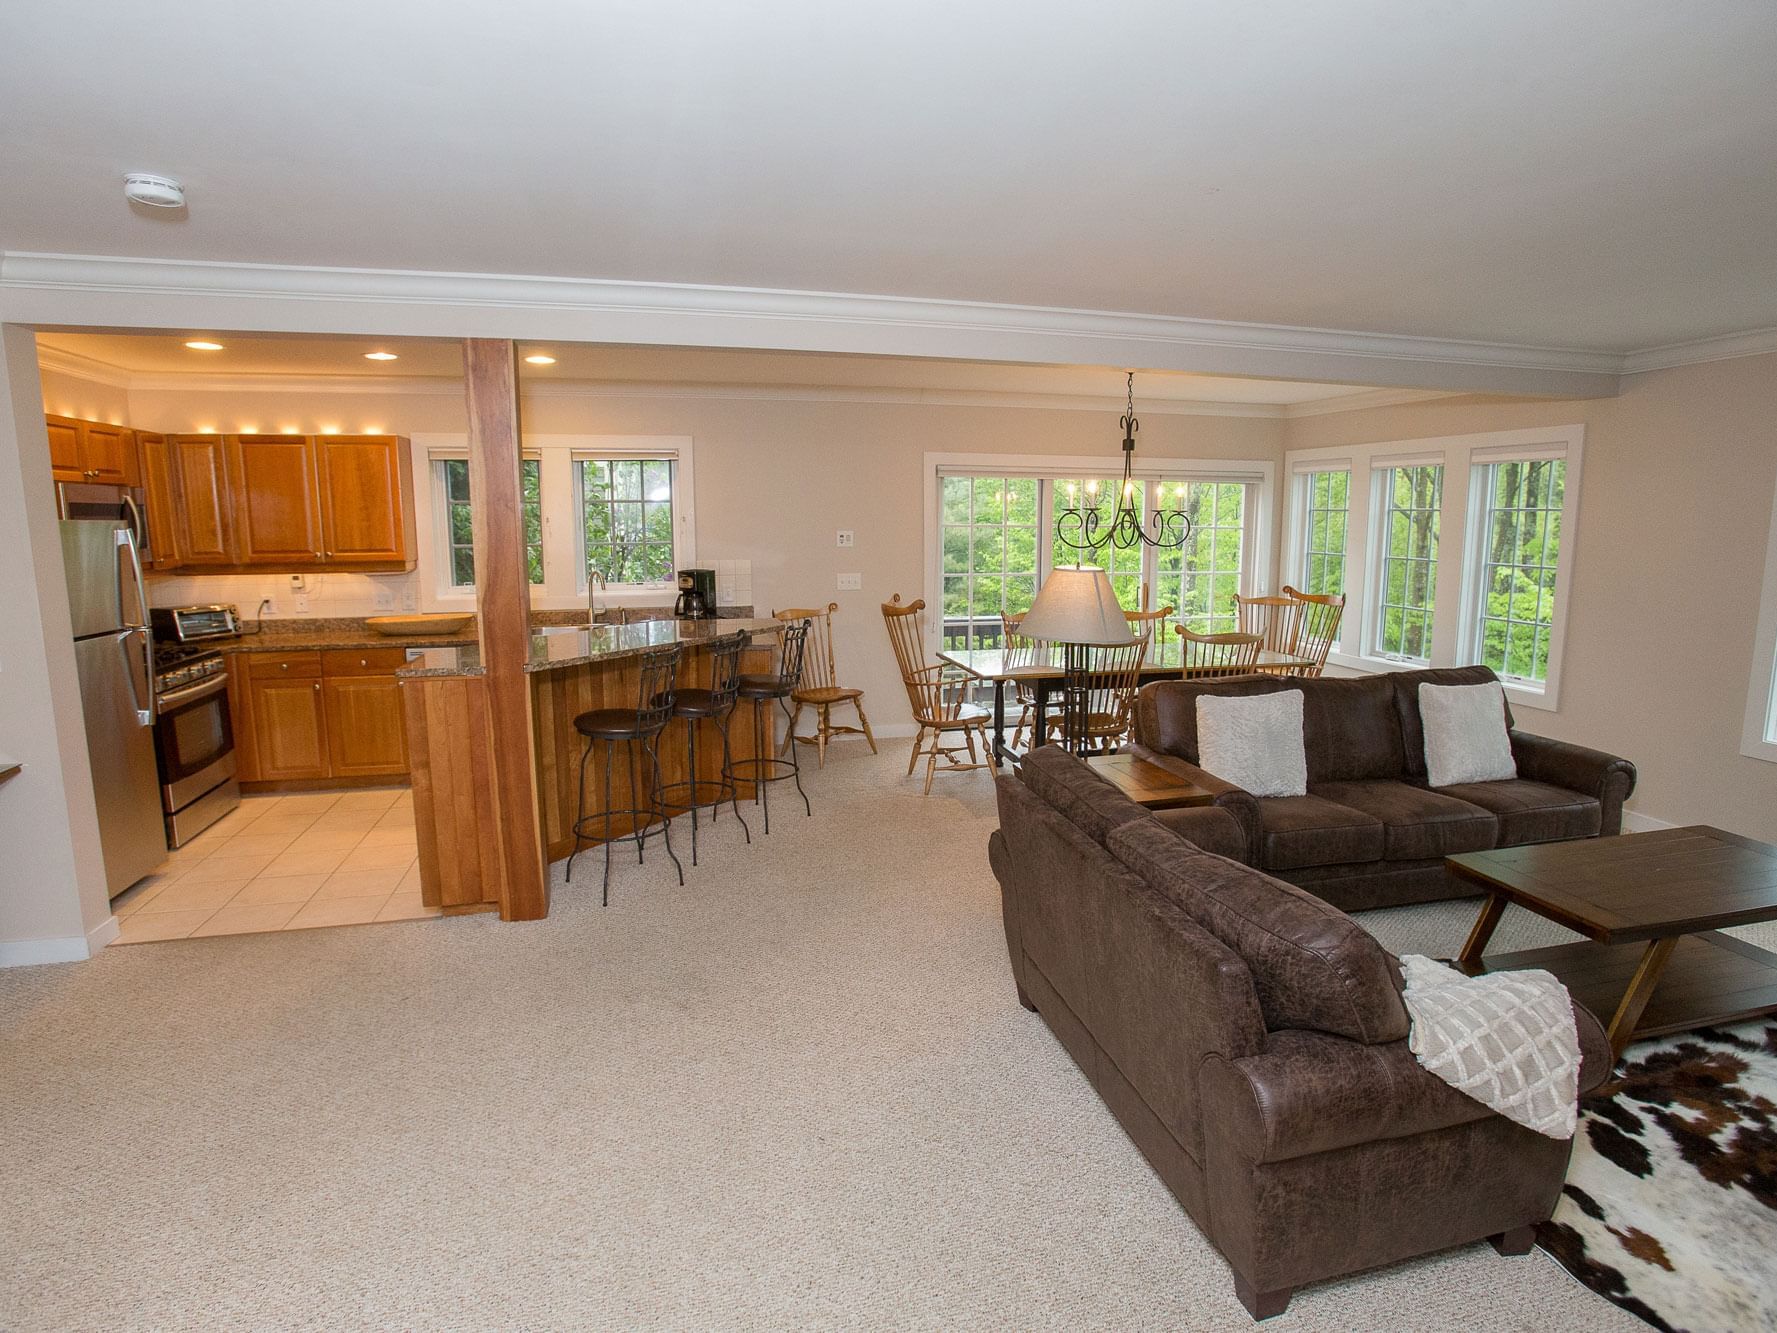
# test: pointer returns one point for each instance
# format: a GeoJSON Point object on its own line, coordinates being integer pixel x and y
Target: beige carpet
{"type": "Point", "coordinates": [796, 1092]}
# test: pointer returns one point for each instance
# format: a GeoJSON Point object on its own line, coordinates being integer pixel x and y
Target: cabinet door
{"type": "Point", "coordinates": [202, 527]}
{"type": "Point", "coordinates": [64, 447]}
{"type": "Point", "coordinates": [162, 502]}
{"type": "Point", "coordinates": [289, 727]}
{"type": "Point", "coordinates": [105, 453]}
{"type": "Point", "coordinates": [277, 518]}
{"type": "Point", "coordinates": [240, 708]}
{"type": "Point", "coordinates": [366, 734]}
{"type": "Point", "coordinates": [366, 510]}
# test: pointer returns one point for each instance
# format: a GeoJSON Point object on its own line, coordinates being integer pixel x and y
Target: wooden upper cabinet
{"type": "Point", "coordinates": [202, 526]}
{"type": "Point", "coordinates": [161, 498]}
{"type": "Point", "coordinates": [366, 499]}
{"type": "Point", "coordinates": [64, 447]}
{"type": "Point", "coordinates": [277, 510]}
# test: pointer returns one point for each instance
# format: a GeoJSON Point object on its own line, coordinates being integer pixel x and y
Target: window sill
{"type": "Point", "coordinates": [1544, 700]}
{"type": "Point", "coordinates": [1765, 750]}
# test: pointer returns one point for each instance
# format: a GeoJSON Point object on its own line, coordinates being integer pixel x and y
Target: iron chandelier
{"type": "Point", "coordinates": [1080, 527]}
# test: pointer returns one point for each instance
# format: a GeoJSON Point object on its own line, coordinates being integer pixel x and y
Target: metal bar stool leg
{"type": "Point", "coordinates": [728, 777]}
{"type": "Point", "coordinates": [638, 831]}
{"type": "Point", "coordinates": [796, 770]}
{"type": "Point", "coordinates": [691, 750]}
{"type": "Point", "coordinates": [658, 802]}
{"type": "Point", "coordinates": [761, 748]}
{"type": "Point", "coordinates": [579, 812]}
{"type": "Point", "coordinates": [605, 900]}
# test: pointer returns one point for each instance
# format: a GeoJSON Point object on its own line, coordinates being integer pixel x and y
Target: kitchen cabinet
{"type": "Point", "coordinates": [277, 501]}
{"type": "Point", "coordinates": [159, 497]}
{"type": "Point", "coordinates": [93, 451]}
{"type": "Point", "coordinates": [366, 499]}
{"type": "Point", "coordinates": [203, 527]}
{"type": "Point", "coordinates": [311, 714]}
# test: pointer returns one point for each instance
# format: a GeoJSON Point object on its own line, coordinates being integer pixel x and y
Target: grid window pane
{"type": "Point", "coordinates": [1522, 531]}
{"type": "Point", "coordinates": [1409, 561]}
{"type": "Point", "coordinates": [1323, 554]}
{"type": "Point", "coordinates": [626, 518]}
{"type": "Point", "coordinates": [459, 527]}
{"type": "Point", "coordinates": [989, 539]}
{"type": "Point", "coordinates": [1077, 497]}
{"type": "Point", "coordinates": [1199, 579]}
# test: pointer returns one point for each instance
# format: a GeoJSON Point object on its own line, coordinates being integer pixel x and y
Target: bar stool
{"type": "Point", "coordinates": [657, 671]}
{"type": "Point", "coordinates": [715, 704]}
{"type": "Point", "coordinates": [762, 689]}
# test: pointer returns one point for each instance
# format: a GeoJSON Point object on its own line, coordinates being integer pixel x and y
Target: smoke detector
{"type": "Point", "coordinates": [141, 187]}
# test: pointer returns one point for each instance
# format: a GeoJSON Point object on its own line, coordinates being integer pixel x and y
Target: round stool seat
{"type": "Point", "coordinates": [613, 724]}
{"type": "Point", "coordinates": [699, 703]}
{"type": "Point", "coordinates": [764, 687]}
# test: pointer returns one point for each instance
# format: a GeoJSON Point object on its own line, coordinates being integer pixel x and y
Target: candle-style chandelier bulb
{"type": "Point", "coordinates": [1082, 530]}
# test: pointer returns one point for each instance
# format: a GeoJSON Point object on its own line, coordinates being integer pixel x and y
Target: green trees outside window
{"type": "Point", "coordinates": [1328, 504]}
{"type": "Point", "coordinates": [1521, 532]}
{"type": "Point", "coordinates": [1412, 499]}
{"type": "Point", "coordinates": [627, 518]}
{"type": "Point", "coordinates": [1200, 578]}
{"type": "Point", "coordinates": [459, 526]}
{"type": "Point", "coordinates": [989, 532]}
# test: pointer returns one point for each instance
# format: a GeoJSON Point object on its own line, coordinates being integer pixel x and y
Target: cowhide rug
{"type": "Point", "coordinates": [1670, 1208]}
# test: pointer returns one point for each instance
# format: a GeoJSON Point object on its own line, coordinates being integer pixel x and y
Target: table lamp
{"type": "Point", "coordinates": [1076, 608]}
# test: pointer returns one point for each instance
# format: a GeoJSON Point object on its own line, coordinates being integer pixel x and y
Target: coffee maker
{"type": "Point", "coordinates": [697, 595]}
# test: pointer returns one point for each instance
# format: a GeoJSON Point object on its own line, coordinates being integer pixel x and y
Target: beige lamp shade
{"type": "Point", "coordinates": [1076, 605]}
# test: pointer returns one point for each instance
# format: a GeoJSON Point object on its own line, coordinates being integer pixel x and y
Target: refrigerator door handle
{"type": "Point", "coordinates": [144, 696]}
{"type": "Point", "coordinates": [144, 706]}
{"type": "Point", "coordinates": [136, 528]}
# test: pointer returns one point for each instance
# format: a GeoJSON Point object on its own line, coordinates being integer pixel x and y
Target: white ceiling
{"type": "Point", "coordinates": [159, 355]}
{"type": "Point", "coordinates": [1596, 174]}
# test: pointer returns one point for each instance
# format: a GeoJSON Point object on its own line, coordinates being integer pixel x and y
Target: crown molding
{"type": "Point", "coordinates": [1358, 402]}
{"type": "Point", "coordinates": [88, 291]}
{"type": "Point", "coordinates": [1724, 347]}
{"type": "Point", "coordinates": [82, 367]}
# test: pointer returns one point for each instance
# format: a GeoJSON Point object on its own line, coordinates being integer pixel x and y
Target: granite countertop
{"type": "Point", "coordinates": [319, 633]}
{"type": "Point", "coordinates": [564, 646]}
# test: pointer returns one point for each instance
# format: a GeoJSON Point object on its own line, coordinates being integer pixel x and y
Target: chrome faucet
{"type": "Point", "coordinates": [593, 577]}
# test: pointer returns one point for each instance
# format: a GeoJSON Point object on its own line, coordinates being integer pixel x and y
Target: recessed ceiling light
{"type": "Point", "coordinates": [380, 356]}
{"type": "Point", "coordinates": [538, 359]}
{"type": "Point", "coordinates": [199, 345]}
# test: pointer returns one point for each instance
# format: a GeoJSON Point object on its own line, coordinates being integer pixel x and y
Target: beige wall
{"type": "Point", "coordinates": [775, 479]}
{"type": "Point", "coordinates": [52, 880]}
{"type": "Point", "coordinates": [1674, 517]}
{"type": "Point", "coordinates": [69, 396]}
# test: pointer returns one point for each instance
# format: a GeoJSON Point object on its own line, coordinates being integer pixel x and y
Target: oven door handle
{"type": "Point", "coordinates": [192, 693]}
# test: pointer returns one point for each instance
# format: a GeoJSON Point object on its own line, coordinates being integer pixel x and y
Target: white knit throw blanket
{"type": "Point", "coordinates": [1506, 1039]}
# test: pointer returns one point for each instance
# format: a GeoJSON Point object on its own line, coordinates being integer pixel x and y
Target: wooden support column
{"type": "Point", "coordinates": [503, 598]}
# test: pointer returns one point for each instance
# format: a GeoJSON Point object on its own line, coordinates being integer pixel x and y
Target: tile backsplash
{"type": "Point", "coordinates": [326, 596]}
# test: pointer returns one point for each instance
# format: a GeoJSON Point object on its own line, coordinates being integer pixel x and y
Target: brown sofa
{"type": "Point", "coordinates": [1250, 1038]}
{"type": "Point", "coordinates": [1369, 832]}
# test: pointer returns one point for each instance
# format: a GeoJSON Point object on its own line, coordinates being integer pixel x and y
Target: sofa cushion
{"type": "Point", "coordinates": [1350, 726]}
{"type": "Point", "coordinates": [1313, 831]}
{"type": "Point", "coordinates": [1312, 966]}
{"type": "Point", "coordinates": [1254, 741]}
{"type": "Point", "coordinates": [1416, 824]}
{"type": "Point", "coordinates": [1406, 701]}
{"type": "Point", "coordinates": [1093, 805]}
{"type": "Point", "coordinates": [1532, 811]}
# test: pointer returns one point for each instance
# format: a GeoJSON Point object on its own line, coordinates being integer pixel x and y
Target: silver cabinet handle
{"type": "Point", "coordinates": [362, 662]}
{"type": "Point", "coordinates": [283, 666]}
{"type": "Point", "coordinates": [317, 687]}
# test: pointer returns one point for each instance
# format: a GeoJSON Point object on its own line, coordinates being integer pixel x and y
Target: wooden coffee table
{"type": "Point", "coordinates": [1654, 903]}
{"type": "Point", "coordinates": [1147, 784]}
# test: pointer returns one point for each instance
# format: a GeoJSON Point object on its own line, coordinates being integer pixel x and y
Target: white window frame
{"type": "Point", "coordinates": [564, 573]}
{"type": "Point", "coordinates": [1458, 602]}
{"type": "Point", "coordinates": [1759, 740]}
{"type": "Point", "coordinates": [1261, 474]}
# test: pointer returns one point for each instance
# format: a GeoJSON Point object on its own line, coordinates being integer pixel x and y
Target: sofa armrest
{"type": "Point", "coordinates": [1237, 801]}
{"type": "Point", "coordinates": [1562, 764]}
{"type": "Point", "coordinates": [1312, 1092]}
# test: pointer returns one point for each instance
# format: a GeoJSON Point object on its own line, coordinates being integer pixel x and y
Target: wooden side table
{"type": "Point", "coordinates": [1147, 784]}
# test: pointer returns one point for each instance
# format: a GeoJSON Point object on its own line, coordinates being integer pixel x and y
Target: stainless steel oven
{"type": "Point", "coordinates": [194, 731]}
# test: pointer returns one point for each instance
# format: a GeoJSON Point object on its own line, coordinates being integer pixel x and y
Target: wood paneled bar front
{"type": "Point", "coordinates": [451, 740]}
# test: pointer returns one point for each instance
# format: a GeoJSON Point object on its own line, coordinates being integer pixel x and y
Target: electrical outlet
{"type": "Point", "coordinates": [846, 538]}
{"type": "Point", "coordinates": [383, 597]}
{"type": "Point", "coordinates": [850, 582]}
{"type": "Point", "coordinates": [298, 583]}
{"type": "Point", "coordinates": [408, 600]}
{"type": "Point", "coordinates": [269, 607]}
{"type": "Point", "coordinates": [302, 603]}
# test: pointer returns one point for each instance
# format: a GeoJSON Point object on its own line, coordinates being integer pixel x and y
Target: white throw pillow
{"type": "Point", "coordinates": [1465, 734]}
{"type": "Point", "coordinates": [1254, 741]}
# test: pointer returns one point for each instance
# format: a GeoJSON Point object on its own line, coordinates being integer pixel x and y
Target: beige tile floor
{"type": "Point", "coordinates": [284, 863]}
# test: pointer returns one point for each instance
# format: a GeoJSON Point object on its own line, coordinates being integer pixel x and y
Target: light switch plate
{"type": "Point", "coordinates": [383, 598]}
{"type": "Point", "coordinates": [302, 603]}
{"type": "Point", "coordinates": [850, 582]}
{"type": "Point", "coordinates": [846, 538]}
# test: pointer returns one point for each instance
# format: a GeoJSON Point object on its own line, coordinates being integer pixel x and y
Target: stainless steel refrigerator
{"type": "Point", "coordinates": [114, 650]}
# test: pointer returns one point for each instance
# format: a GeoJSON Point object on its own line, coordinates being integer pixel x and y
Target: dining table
{"type": "Point", "coordinates": [1042, 667]}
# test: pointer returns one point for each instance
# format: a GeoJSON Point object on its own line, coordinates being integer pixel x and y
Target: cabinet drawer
{"type": "Point", "coordinates": [284, 666]}
{"type": "Point", "coordinates": [362, 661]}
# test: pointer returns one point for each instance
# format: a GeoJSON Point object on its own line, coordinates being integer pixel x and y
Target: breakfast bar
{"type": "Point", "coordinates": [571, 670]}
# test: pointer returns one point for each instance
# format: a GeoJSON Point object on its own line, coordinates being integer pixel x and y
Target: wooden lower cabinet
{"type": "Point", "coordinates": [318, 714]}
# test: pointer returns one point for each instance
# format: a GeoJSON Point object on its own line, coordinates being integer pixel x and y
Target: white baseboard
{"type": "Point", "coordinates": [1636, 822]}
{"type": "Point", "coordinates": [67, 949]}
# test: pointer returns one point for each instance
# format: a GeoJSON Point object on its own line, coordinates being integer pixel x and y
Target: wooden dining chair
{"type": "Point", "coordinates": [1112, 681]}
{"type": "Point", "coordinates": [1207, 656]}
{"type": "Point", "coordinates": [1147, 622]}
{"type": "Point", "coordinates": [1276, 619]}
{"type": "Point", "coordinates": [1017, 646]}
{"type": "Point", "coordinates": [820, 688]}
{"type": "Point", "coordinates": [1318, 618]}
{"type": "Point", "coordinates": [938, 695]}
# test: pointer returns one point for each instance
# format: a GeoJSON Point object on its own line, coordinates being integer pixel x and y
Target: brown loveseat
{"type": "Point", "coordinates": [1250, 1039]}
{"type": "Point", "coordinates": [1369, 832]}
